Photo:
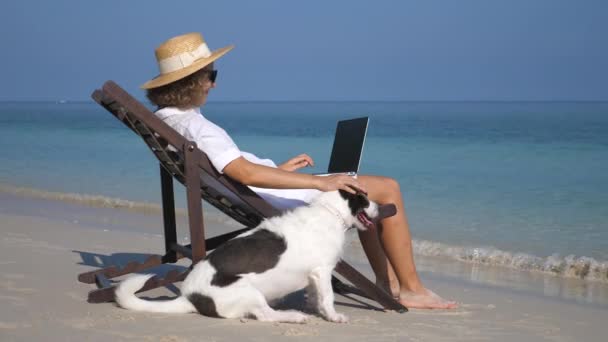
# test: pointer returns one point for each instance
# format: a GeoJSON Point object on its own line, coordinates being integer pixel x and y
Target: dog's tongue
{"type": "Point", "coordinates": [384, 211]}
{"type": "Point", "coordinates": [362, 217]}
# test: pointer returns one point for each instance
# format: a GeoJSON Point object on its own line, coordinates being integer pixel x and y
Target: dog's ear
{"type": "Point", "coordinates": [356, 201]}
{"type": "Point", "coordinates": [345, 194]}
{"type": "Point", "coordinates": [362, 200]}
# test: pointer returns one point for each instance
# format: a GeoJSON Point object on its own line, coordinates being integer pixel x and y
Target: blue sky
{"type": "Point", "coordinates": [316, 50]}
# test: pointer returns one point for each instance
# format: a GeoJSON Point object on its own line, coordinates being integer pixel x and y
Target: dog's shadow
{"type": "Point", "coordinates": [298, 301]}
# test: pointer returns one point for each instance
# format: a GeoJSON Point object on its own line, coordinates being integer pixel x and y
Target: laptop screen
{"type": "Point", "coordinates": [348, 145]}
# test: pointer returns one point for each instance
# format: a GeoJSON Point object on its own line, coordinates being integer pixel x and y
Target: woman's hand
{"type": "Point", "coordinates": [340, 182]}
{"type": "Point", "coordinates": [297, 163]}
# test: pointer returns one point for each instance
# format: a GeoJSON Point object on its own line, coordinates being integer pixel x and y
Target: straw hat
{"type": "Point", "coordinates": [181, 56]}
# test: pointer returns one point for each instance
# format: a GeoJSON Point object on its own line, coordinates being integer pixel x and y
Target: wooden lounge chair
{"type": "Point", "coordinates": [182, 160]}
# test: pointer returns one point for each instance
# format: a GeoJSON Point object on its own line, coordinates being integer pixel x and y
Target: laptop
{"type": "Point", "coordinates": [348, 146]}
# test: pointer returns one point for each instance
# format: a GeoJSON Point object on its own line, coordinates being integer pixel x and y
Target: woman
{"type": "Point", "coordinates": [186, 77]}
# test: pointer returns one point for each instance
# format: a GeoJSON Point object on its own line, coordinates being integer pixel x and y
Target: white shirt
{"type": "Point", "coordinates": [221, 150]}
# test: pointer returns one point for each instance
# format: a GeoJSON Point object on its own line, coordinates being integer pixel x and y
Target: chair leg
{"type": "Point", "coordinates": [342, 288]}
{"type": "Point", "coordinates": [195, 204]}
{"type": "Point", "coordinates": [169, 225]}
{"type": "Point", "coordinates": [114, 271]}
{"type": "Point", "coordinates": [368, 288]}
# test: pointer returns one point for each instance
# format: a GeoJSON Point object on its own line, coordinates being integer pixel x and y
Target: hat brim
{"type": "Point", "coordinates": [167, 78]}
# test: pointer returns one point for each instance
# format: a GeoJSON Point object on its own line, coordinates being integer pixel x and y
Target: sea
{"type": "Point", "coordinates": [508, 185]}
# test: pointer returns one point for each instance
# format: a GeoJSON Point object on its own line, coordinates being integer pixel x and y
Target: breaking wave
{"type": "Point", "coordinates": [571, 266]}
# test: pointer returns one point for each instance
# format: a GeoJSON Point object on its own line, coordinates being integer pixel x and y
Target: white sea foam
{"type": "Point", "coordinates": [571, 266]}
{"type": "Point", "coordinates": [97, 201]}
{"type": "Point", "coordinates": [90, 200]}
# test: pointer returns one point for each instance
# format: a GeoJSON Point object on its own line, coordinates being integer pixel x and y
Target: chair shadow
{"type": "Point", "coordinates": [122, 259]}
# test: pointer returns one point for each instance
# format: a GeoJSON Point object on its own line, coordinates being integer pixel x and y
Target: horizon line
{"type": "Point", "coordinates": [66, 101]}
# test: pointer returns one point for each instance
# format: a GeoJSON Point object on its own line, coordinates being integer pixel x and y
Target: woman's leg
{"type": "Point", "coordinates": [385, 275]}
{"type": "Point", "coordinates": [393, 242]}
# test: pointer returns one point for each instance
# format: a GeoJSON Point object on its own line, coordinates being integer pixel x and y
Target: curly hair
{"type": "Point", "coordinates": [184, 93]}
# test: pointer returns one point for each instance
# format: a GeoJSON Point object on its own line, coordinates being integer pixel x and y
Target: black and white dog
{"type": "Point", "coordinates": [284, 254]}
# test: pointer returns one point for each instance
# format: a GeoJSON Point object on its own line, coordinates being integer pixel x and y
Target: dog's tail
{"type": "Point", "coordinates": [125, 297]}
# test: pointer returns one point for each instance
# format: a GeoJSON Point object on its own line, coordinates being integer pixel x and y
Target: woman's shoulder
{"type": "Point", "coordinates": [190, 120]}
{"type": "Point", "coordinates": [172, 111]}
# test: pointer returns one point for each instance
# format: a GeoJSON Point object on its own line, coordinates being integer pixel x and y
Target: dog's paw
{"type": "Point", "coordinates": [338, 318]}
{"type": "Point", "coordinates": [298, 317]}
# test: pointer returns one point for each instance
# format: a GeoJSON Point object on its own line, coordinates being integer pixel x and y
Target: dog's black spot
{"type": "Point", "coordinates": [221, 279]}
{"type": "Point", "coordinates": [203, 304]}
{"type": "Point", "coordinates": [255, 253]}
{"type": "Point", "coordinates": [356, 202]}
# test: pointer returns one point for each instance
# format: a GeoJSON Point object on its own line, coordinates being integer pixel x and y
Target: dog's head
{"type": "Point", "coordinates": [361, 211]}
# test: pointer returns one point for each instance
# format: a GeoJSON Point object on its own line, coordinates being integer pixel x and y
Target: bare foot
{"type": "Point", "coordinates": [425, 299]}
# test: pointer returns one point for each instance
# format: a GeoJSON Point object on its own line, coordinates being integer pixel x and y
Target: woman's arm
{"type": "Point", "coordinates": [298, 162]}
{"type": "Point", "coordinates": [262, 176]}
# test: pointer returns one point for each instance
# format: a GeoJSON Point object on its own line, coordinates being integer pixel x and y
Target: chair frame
{"type": "Point", "coordinates": [180, 158]}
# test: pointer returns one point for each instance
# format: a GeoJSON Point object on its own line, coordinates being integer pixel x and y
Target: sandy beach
{"type": "Point", "coordinates": [46, 243]}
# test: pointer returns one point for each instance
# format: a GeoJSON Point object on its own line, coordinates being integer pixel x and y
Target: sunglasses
{"type": "Point", "coordinates": [212, 75]}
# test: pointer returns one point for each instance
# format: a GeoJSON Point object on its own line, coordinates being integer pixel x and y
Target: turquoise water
{"type": "Point", "coordinates": [518, 184]}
